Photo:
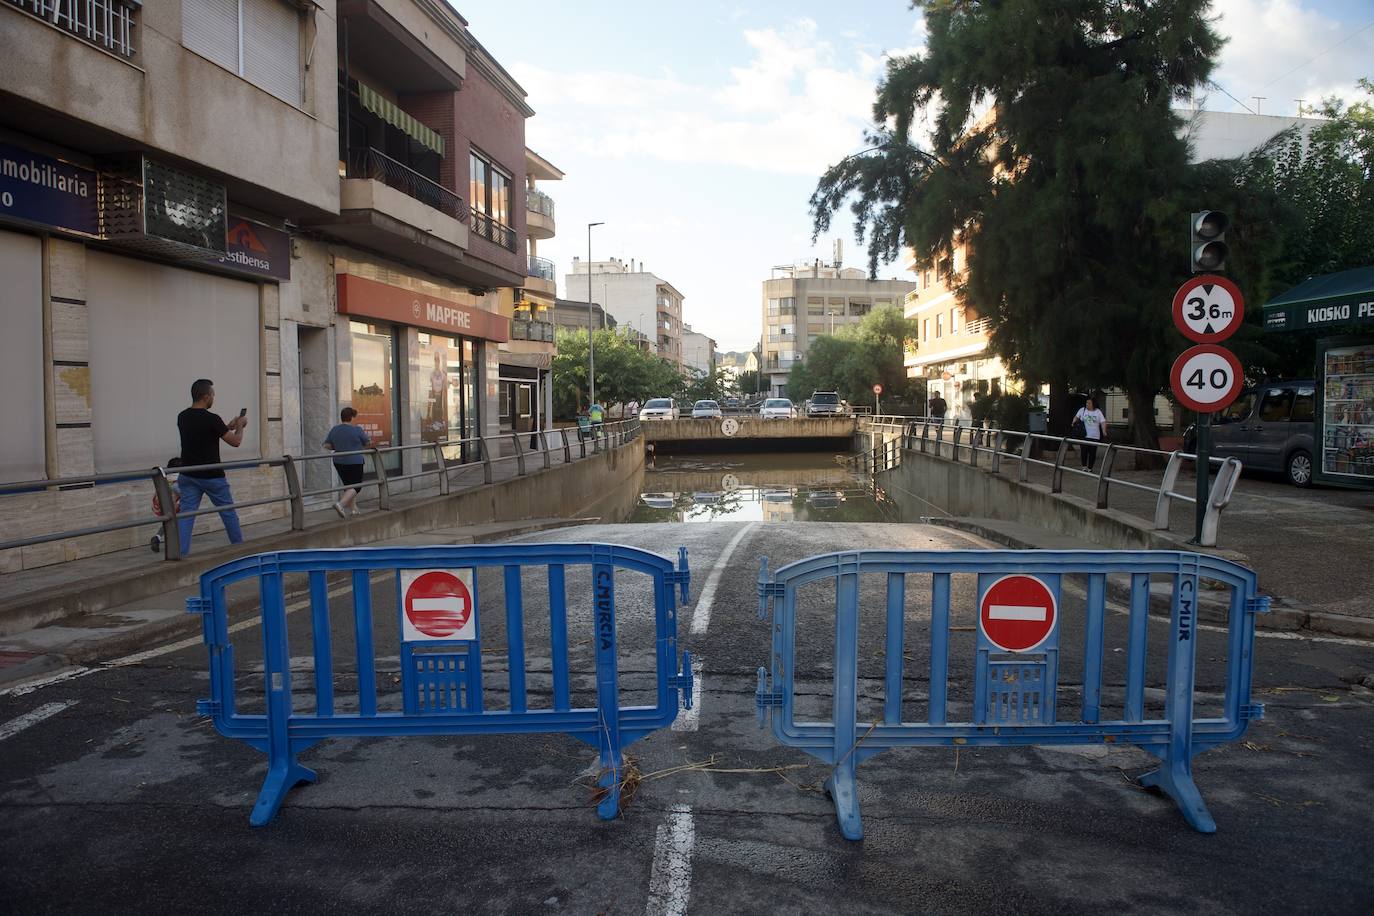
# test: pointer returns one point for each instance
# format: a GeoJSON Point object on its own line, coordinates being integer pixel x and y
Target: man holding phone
{"type": "Point", "coordinates": [201, 433]}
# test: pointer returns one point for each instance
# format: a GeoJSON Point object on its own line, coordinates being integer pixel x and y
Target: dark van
{"type": "Point", "coordinates": [1269, 428]}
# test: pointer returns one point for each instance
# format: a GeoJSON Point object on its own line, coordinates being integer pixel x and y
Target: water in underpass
{"type": "Point", "coordinates": [757, 486]}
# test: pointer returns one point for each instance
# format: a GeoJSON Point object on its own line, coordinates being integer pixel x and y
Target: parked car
{"type": "Point", "coordinates": [1269, 428]}
{"type": "Point", "coordinates": [777, 409]}
{"type": "Point", "coordinates": [732, 404]}
{"type": "Point", "coordinates": [824, 404]}
{"type": "Point", "coordinates": [705, 410]}
{"type": "Point", "coordinates": [658, 409]}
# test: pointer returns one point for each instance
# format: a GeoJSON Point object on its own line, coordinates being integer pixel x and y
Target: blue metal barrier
{"type": "Point", "coordinates": [1016, 660]}
{"type": "Point", "coordinates": [439, 624]}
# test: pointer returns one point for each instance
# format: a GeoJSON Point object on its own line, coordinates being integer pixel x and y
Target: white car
{"type": "Point", "coordinates": [705, 410]}
{"type": "Point", "coordinates": [658, 409]}
{"type": "Point", "coordinates": [777, 409]}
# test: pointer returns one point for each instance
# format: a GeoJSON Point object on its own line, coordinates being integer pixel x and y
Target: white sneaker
{"type": "Point", "coordinates": [338, 507]}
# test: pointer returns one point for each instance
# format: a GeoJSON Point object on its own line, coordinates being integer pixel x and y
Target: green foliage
{"type": "Point", "coordinates": [624, 372]}
{"type": "Point", "coordinates": [1070, 198]}
{"type": "Point", "coordinates": [748, 383]}
{"type": "Point", "coordinates": [854, 359]}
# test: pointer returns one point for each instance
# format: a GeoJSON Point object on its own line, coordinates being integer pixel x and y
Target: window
{"type": "Point", "coordinates": [489, 190]}
{"type": "Point", "coordinates": [772, 306]}
{"type": "Point", "coordinates": [1276, 405]}
{"type": "Point", "coordinates": [257, 39]}
{"type": "Point", "coordinates": [787, 306]}
{"type": "Point", "coordinates": [953, 321]}
{"type": "Point", "coordinates": [1302, 406]}
{"type": "Point", "coordinates": [818, 310]}
{"type": "Point", "coordinates": [939, 325]}
{"type": "Point", "coordinates": [1239, 410]}
{"type": "Point", "coordinates": [925, 329]}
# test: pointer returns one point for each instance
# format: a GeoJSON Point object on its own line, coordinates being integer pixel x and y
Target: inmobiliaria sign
{"type": "Point", "coordinates": [366, 298]}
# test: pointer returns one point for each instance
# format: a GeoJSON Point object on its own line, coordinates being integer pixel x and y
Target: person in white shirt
{"type": "Point", "coordinates": [1094, 425]}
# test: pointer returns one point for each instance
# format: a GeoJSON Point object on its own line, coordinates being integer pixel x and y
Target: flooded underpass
{"type": "Point", "coordinates": [744, 487]}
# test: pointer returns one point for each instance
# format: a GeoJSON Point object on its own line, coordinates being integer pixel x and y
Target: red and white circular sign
{"type": "Point", "coordinates": [1206, 378]}
{"type": "Point", "coordinates": [437, 604]}
{"type": "Point", "coordinates": [877, 389]}
{"type": "Point", "coordinates": [1208, 309]}
{"type": "Point", "coordinates": [1017, 613]}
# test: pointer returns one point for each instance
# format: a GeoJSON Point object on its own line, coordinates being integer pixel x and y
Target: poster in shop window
{"type": "Point", "coordinates": [371, 395]}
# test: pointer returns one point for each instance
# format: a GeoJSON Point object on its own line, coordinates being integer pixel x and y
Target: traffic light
{"type": "Point", "coordinates": [1209, 241]}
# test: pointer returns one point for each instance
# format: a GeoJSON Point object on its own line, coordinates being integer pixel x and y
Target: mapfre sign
{"type": "Point", "coordinates": [366, 298]}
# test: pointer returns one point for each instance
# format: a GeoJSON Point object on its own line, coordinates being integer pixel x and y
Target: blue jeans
{"type": "Point", "coordinates": [217, 488]}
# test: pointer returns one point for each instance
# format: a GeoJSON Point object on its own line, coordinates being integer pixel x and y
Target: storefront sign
{"type": "Point", "coordinates": [257, 249]}
{"type": "Point", "coordinates": [48, 191]}
{"type": "Point", "coordinates": [366, 298]}
{"type": "Point", "coordinates": [1335, 315]}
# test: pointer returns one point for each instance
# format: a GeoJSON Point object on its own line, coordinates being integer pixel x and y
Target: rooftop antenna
{"type": "Point", "coordinates": [839, 253]}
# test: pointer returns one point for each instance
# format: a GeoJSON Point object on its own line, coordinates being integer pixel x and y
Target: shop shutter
{"type": "Point", "coordinates": [272, 48]}
{"type": "Point", "coordinates": [211, 29]}
{"type": "Point", "coordinates": [21, 353]}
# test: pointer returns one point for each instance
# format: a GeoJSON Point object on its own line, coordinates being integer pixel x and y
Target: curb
{"type": "Point", "coordinates": [1283, 614]}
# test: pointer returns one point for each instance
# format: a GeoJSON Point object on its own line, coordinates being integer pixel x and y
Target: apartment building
{"type": "Point", "coordinates": [639, 298]}
{"type": "Point", "coordinates": [698, 351]}
{"type": "Point", "coordinates": [266, 193]}
{"type": "Point", "coordinates": [804, 302]}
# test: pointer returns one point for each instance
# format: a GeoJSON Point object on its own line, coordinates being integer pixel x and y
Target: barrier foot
{"type": "Point", "coordinates": [612, 775]}
{"type": "Point", "coordinates": [843, 789]}
{"type": "Point", "coordinates": [280, 780]}
{"type": "Point", "coordinates": [1177, 783]}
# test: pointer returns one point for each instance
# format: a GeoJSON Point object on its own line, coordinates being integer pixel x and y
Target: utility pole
{"type": "Point", "coordinates": [591, 324]}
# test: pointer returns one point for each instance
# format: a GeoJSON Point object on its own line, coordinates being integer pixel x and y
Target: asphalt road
{"type": "Point", "coordinates": [116, 796]}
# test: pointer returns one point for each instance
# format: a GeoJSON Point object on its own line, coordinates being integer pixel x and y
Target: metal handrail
{"type": "Point", "coordinates": [542, 268]}
{"type": "Point", "coordinates": [993, 442]}
{"type": "Point", "coordinates": [607, 435]}
{"type": "Point", "coordinates": [366, 162]}
{"type": "Point", "coordinates": [492, 229]}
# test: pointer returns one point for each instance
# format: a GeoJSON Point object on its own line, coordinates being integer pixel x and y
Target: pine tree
{"type": "Point", "coordinates": [1054, 156]}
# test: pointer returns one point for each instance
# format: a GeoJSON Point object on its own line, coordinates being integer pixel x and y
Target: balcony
{"type": "Point", "coordinates": [483, 226]}
{"type": "Point", "coordinates": [394, 210]}
{"type": "Point", "coordinates": [107, 24]}
{"type": "Point", "coordinates": [542, 331]}
{"type": "Point", "coordinates": [542, 275]}
{"type": "Point", "coordinates": [538, 214]}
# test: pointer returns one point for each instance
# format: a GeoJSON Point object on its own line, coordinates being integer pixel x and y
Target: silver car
{"type": "Point", "coordinates": [705, 410]}
{"type": "Point", "coordinates": [658, 409]}
{"type": "Point", "coordinates": [777, 409]}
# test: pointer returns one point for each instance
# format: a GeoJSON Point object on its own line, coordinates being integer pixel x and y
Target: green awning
{"type": "Point", "coordinates": [389, 112]}
{"type": "Point", "coordinates": [1344, 299]}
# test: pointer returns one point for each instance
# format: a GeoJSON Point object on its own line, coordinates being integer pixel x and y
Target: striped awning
{"type": "Point", "coordinates": [389, 112]}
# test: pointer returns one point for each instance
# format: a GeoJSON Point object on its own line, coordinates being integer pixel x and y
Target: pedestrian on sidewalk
{"type": "Point", "coordinates": [1094, 423]}
{"type": "Point", "coordinates": [938, 407]}
{"type": "Point", "coordinates": [201, 433]}
{"type": "Point", "coordinates": [347, 436]}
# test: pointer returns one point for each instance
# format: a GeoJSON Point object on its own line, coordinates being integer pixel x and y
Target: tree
{"type": "Point", "coordinates": [1065, 193]}
{"type": "Point", "coordinates": [748, 382]}
{"type": "Point", "coordinates": [624, 372]}
{"type": "Point", "coordinates": [856, 358]}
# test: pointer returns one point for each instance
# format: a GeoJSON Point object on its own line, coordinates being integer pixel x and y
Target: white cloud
{"type": "Point", "coordinates": [1285, 50]}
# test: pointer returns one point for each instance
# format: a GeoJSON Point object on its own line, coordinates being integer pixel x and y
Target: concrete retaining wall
{"type": "Point", "coordinates": [565, 491]}
{"type": "Point", "coordinates": [656, 431]}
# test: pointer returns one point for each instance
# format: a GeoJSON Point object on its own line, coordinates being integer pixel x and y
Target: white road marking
{"type": "Point", "coordinates": [690, 720]}
{"type": "Point", "coordinates": [1017, 612]}
{"type": "Point", "coordinates": [33, 717]}
{"type": "Point", "coordinates": [670, 882]}
{"type": "Point", "coordinates": [701, 614]}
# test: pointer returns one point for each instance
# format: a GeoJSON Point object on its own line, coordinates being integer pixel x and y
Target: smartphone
{"type": "Point", "coordinates": [243, 412]}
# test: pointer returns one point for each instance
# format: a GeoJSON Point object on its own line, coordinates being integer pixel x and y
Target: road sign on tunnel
{"type": "Point", "coordinates": [437, 604]}
{"type": "Point", "coordinates": [1018, 613]}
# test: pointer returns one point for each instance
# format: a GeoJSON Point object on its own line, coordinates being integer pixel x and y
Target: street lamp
{"type": "Point", "coordinates": [591, 330]}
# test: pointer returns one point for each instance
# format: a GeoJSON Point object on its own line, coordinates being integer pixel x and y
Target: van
{"type": "Point", "coordinates": [1269, 428]}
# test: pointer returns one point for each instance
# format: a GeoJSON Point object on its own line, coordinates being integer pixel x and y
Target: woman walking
{"type": "Point", "coordinates": [1094, 423]}
{"type": "Point", "coordinates": [348, 437]}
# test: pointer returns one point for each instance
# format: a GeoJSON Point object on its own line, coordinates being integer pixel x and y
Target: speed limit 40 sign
{"type": "Point", "coordinates": [1206, 378]}
{"type": "Point", "coordinates": [1208, 309]}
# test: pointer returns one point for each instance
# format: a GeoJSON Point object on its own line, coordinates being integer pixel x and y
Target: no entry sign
{"type": "Point", "coordinates": [1206, 378]}
{"type": "Point", "coordinates": [437, 604]}
{"type": "Point", "coordinates": [1018, 613]}
{"type": "Point", "coordinates": [1208, 309]}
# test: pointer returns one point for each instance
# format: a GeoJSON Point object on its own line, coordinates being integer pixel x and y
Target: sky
{"type": "Point", "coordinates": [697, 132]}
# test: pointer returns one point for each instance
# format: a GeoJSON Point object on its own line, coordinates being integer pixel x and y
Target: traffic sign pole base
{"type": "Point", "coordinates": [843, 788]}
{"type": "Point", "coordinates": [1176, 781]}
{"type": "Point", "coordinates": [281, 778]}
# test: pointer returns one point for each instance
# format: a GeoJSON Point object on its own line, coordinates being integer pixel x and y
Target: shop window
{"type": "Point", "coordinates": [373, 391]}
{"type": "Point", "coordinates": [257, 39]}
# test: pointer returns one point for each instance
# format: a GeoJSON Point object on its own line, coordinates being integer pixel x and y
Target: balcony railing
{"type": "Point", "coordinates": [542, 268]}
{"type": "Point", "coordinates": [378, 166]}
{"type": "Point", "coordinates": [538, 202]}
{"type": "Point", "coordinates": [532, 330]}
{"type": "Point", "coordinates": [978, 326]}
{"type": "Point", "coordinates": [107, 24]}
{"type": "Point", "coordinates": [491, 230]}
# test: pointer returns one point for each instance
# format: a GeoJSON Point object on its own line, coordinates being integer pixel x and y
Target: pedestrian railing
{"type": "Point", "coordinates": [443, 634]}
{"type": "Point", "coordinates": [1005, 450]}
{"type": "Point", "coordinates": [552, 446]}
{"type": "Point", "coordinates": [1020, 647]}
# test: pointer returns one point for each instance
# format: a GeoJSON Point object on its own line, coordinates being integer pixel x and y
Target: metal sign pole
{"type": "Point", "coordinates": [1204, 472]}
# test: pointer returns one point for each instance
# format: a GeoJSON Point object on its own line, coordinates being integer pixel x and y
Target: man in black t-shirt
{"type": "Point", "coordinates": [938, 408]}
{"type": "Point", "coordinates": [201, 433]}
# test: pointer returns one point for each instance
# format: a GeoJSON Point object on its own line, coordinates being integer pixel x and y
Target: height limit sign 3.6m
{"type": "Point", "coordinates": [1208, 309]}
